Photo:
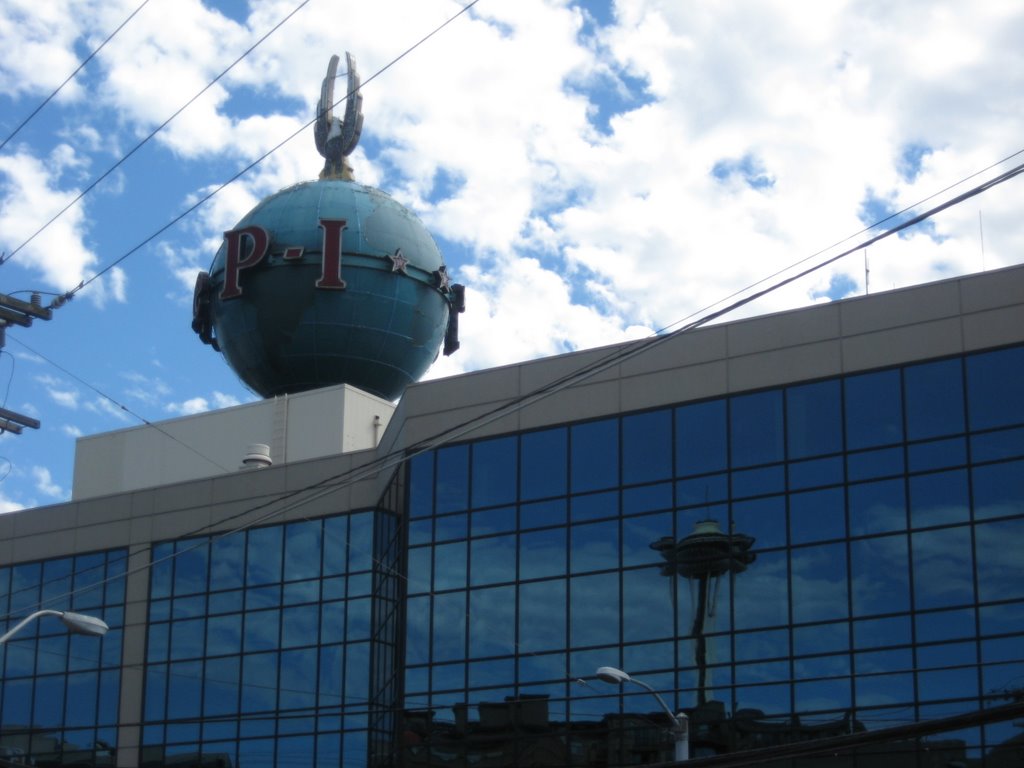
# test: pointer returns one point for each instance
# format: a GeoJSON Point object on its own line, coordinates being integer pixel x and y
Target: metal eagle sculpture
{"type": "Point", "coordinates": [337, 137]}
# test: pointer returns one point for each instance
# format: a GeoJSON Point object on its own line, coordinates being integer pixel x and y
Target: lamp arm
{"type": "Point", "coordinates": [676, 725]}
{"type": "Point", "coordinates": [31, 617]}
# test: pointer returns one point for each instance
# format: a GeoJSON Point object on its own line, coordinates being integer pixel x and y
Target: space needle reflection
{"type": "Point", "coordinates": [703, 558]}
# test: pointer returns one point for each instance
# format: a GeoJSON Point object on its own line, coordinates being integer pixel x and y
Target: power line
{"type": "Point", "coordinates": [120, 405]}
{"type": "Point", "coordinates": [71, 77]}
{"type": "Point", "coordinates": [137, 147]}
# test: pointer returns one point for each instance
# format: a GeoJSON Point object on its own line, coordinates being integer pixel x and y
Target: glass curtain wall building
{"type": "Point", "coordinates": [792, 527]}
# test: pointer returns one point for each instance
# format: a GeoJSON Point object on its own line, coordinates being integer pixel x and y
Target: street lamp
{"type": "Point", "coordinates": [78, 623]}
{"type": "Point", "coordinates": [680, 723]}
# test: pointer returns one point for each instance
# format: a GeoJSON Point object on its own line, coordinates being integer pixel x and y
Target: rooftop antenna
{"type": "Point", "coordinates": [867, 274]}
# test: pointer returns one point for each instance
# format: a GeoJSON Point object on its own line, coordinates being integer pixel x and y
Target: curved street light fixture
{"type": "Point", "coordinates": [78, 623]}
{"type": "Point", "coordinates": [680, 723]}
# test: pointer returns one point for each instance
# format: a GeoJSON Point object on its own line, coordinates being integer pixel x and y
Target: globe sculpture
{"type": "Point", "coordinates": [329, 281]}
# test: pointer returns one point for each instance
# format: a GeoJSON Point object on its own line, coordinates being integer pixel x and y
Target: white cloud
{"type": "Point", "coordinates": [45, 485]}
{"type": "Point", "coordinates": [71, 431]}
{"type": "Point", "coordinates": [59, 391]}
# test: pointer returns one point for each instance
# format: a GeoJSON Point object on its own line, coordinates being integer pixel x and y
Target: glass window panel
{"type": "Point", "coordinates": [261, 630]}
{"type": "Point", "coordinates": [821, 638]}
{"type": "Point", "coordinates": [259, 682]}
{"type": "Point", "coordinates": [764, 519]}
{"type": "Point", "coordinates": [542, 553]}
{"type": "Point", "coordinates": [594, 463]}
{"type": "Point", "coordinates": [335, 545]}
{"type": "Point", "coordinates": [945, 625]}
{"type": "Point", "coordinates": [357, 674]}
{"type": "Point", "coordinates": [874, 409]}
{"type": "Point", "coordinates": [52, 654]}
{"type": "Point", "coordinates": [300, 626]}
{"type": "Point", "coordinates": [190, 566]}
{"type": "Point", "coordinates": [450, 527]}
{"type": "Point", "coordinates": [649, 657]}
{"type": "Point", "coordinates": [819, 583]}
{"type": "Point", "coordinates": [490, 674]}
{"type": "Point", "coordinates": [543, 513]}
{"type": "Point", "coordinates": [188, 607]}
{"type": "Point", "coordinates": [942, 568]}
{"type": "Point", "coordinates": [49, 702]}
{"type": "Point", "coordinates": [998, 489]}
{"type": "Point", "coordinates": [640, 533]}
{"type": "Point", "coordinates": [417, 630]}
{"type": "Point", "coordinates": [25, 590]}
{"type": "Point", "coordinates": [647, 601]}
{"type": "Point", "coordinates": [646, 447]}
{"type": "Point", "coordinates": [594, 609]}
{"type": "Point", "coordinates": [360, 543]}
{"type": "Point", "coordinates": [500, 520]}
{"type": "Point", "coordinates": [227, 562]}
{"type": "Point", "coordinates": [877, 507]}
{"type": "Point", "coordinates": [358, 619]}
{"type": "Point", "coordinates": [701, 438]}
{"type": "Point", "coordinates": [534, 667]}
{"type": "Point", "coordinates": [879, 579]}
{"type": "Point", "coordinates": [452, 479]}
{"type": "Point", "coordinates": [421, 531]}
{"type": "Point", "coordinates": [646, 498]}
{"type": "Point", "coordinates": [187, 638]}
{"type": "Point", "coordinates": [449, 627]}
{"type": "Point", "coordinates": [302, 546]}
{"type": "Point", "coordinates": [755, 428]}
{"type": "Point", "coordinates": [813, 423]}
{"type": "Point", "coordinates": [88, 581]}
{"type": "Point", "coordinates": [110, 699]}
{"type": "Point", "coordinates": [56, 583]}
{"type": "Point", "coordinates": [994, 381]}
{"type": "Point", "coordinates": [83, 652]}
{"type": "Point", "coordinates": [702, 490]}
{"type": "Point", "coordinates": [868, 465]}
{"type": "Point", "coordinates": [421, 485]}
{"type": "Point", "coordinates": [878, 633]}
{"type": "Point", "coordinates": [756, 646]}
{"type": "Point", "coordinates": [947, 655]}
{"type": "Point", "coordinates": [492, 622]}
{"type": "Point", "coordinates": [301, 592]}
{"type": "Point", "coordinates": [937, 454]}
{"type": "Point", "coordinates": [263, 563]}
{"type": "Point", "coordinates": [1001, 649]}
{"type": "Point", "coordinates": [544, 462]}
{"type": "Point", "coordinates": [761, 595]}
{"type": "Point", "coordinates": [768, 699]}
{"type": "Point", "coordinates": [823, 695]}
{"type": "Point", "coordinates": [933, 685]}
{"type": "Point", "coordinates": [494, 471]}
{"type": "Point", "coordinates": [817, 515]}
{"type": "Point", "coordinates": [298, 679]}
{"type": "Point", "coordinates": [450, 566]}
{"type": "Point", "coordinates": [220, 693]}
{"type": "Point", "coordinates": [184, 689]}
{"type": "Point", "coordinates": [939, 498]}
{"type": "Point", "coordinates": [814, 473]}
{"type": "Point", "coordinates": [542, 615]}
{"type": "Point", "coordinates": [934, 399]}
{"type": "Point", "coordinates": [263, 597]}
{"type": "Point", "coordinates": [493, 560]}
{"type": "Point", "coordinates": [885, 690]}
{"type": "Point", "coordinates": [992, 446]}
{"type": "Point", "coordinates": [594, 506]}
{"type": "Point", "coordinates": [594, 547]}
{"type": "Point", "coordinates": [758, 482]}
{"type": "Point", "coordinates": [1000, 565]}
{"type": "Point", "coordinates": [156, 691]}
{"type": "Point", "coordinates": [420, 569]}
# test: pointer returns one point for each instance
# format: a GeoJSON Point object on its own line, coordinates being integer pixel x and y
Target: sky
{"type": "Point", "coordinates": [591, 171]}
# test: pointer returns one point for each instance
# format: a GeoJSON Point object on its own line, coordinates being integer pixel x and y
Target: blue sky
{"type": "Point", "coordinates": [591, 171]}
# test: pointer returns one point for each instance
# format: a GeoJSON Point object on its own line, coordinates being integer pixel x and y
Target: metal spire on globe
{"type": "Point", "coordinates": [329, 281]}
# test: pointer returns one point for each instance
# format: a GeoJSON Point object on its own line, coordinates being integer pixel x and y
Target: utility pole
{"type": "Point", "coordinates": [16, 312]}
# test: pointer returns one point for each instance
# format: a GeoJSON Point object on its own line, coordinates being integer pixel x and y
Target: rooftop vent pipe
{"type": "Point", "coordinates": [257, 456]}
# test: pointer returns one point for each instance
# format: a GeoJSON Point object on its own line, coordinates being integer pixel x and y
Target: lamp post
{"type": "Point", "coordinates": [78, 623]}
{"type": "Point", "coordinates": [680, 723]}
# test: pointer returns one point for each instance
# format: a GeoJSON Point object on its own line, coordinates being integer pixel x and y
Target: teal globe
{"type": "Point", "coordinates": [375, 322]}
